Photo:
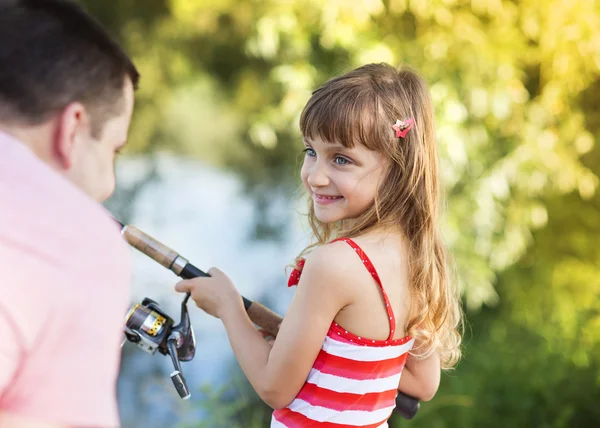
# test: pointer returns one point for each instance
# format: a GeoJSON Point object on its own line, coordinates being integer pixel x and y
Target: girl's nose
{"type": "Point", "coordinates": [317, 176]}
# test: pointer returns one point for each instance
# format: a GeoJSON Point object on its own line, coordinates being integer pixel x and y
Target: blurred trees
{"type": "Point", "coordinates": [517, 95]}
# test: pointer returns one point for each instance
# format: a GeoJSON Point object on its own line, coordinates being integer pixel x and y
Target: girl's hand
{"type": "Point", "coordinates": [212, 294]}
{"type": "Point", "coordinates": [268, 336]}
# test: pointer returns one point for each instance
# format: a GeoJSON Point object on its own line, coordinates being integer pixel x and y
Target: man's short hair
{"type": "Point", "coordinates": [53, 53]}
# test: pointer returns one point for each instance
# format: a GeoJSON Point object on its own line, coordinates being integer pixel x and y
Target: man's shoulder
{"type": "Point", "coordinates": [42, 208]}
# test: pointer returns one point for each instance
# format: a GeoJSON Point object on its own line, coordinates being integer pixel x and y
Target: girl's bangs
{"type": "Point", "coordinates": [341, 115]}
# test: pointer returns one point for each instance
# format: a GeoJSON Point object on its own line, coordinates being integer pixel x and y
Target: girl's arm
{"type": "Point", "coordinates": [277, 373]}
{"type": "Point", "coordinates": [421, 378]}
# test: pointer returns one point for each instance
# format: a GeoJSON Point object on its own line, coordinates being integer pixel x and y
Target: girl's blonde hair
{"type": "Point", "coordinates": [360, 107]}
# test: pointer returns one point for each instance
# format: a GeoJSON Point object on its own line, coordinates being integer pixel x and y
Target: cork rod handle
{"type": "Point", "coordinates": [264, 317]}
{"type": "Point", "coordinates": [149, 246]}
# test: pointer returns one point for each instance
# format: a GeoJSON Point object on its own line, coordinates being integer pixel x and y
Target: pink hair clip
{"type": "Point", "coordinates": [403, 126]}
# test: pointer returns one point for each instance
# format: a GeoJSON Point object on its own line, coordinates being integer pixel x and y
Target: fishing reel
{"type": "Point", "coordinates": [151, 329]}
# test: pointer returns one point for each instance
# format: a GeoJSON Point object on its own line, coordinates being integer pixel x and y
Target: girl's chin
{"type": "Point", "coordinates": [327, 221]}
{"type": "Point", "coordinates": [328, 218]}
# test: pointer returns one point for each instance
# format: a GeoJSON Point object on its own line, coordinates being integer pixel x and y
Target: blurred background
{"type": "Point", "coordinates": [212, 165]}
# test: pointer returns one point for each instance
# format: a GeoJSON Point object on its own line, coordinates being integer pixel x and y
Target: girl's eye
{"type": "Point", "coordinates": [339, 160]}
{"type": "Point", "coordinates": [309, 152]}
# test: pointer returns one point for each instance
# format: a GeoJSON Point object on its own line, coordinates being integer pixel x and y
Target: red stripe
{"type": "Point", "coordinates": [359, 370]}
{"type": "Point", "coordinates": [292, 419]}
{"type": "Point", "coordinates": [340, 401]}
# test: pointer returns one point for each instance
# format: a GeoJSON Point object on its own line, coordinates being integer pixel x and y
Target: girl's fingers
{"type": "Point", "coordinates": [268, 337]}
{"type": "Point", "coordinates": [264, 333]}
{"type": "Point", "coordinates": [183, 287]}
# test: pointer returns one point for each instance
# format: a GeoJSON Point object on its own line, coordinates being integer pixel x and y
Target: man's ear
{"type": "Point", "coordinates": [71, 123]}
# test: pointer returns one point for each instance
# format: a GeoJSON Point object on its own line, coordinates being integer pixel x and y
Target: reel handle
{"type": "Point", "coordinates": [180, 385]}
{"type": "Point", "coordinates": [177, 376]}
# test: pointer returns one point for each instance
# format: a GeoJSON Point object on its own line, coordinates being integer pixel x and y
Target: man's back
{"type": "Point", "coordinates": [64, 276]}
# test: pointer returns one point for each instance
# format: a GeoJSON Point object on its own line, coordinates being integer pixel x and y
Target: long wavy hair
{"type": "Point", "coordinates": [360, 107]}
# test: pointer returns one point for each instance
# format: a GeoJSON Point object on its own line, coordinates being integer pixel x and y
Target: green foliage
{"type": "Point", "coordinates": [516, 91]}
{"type": "Point", "coordinates": [233, 406]}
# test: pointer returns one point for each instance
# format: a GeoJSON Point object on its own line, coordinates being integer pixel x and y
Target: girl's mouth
{"type": "Point", "coordinates": [326, 199]}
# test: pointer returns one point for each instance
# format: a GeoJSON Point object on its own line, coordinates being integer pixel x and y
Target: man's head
{"type": "Point", "coordinates": [66, 89]}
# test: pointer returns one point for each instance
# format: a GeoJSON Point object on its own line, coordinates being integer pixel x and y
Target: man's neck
{"type": "Point", "coordinates": [35, 138]}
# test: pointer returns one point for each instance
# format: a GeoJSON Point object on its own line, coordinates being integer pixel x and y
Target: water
{"type": "Point", "coordinates": [203, 214]}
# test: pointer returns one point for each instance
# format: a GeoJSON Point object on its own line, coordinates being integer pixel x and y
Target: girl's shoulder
{"type": "Point", "coordinates": [337, 255]}
{"type": "Point", "coordinates": [335, 262]}
{"type": "Point", "coordinates": [328, 273]}
{"type": "Point", "coordinates": [344, 258]}
{"type": "Point", "coordinates": [345, 250]}
{"type": "Point", "coordinates": [350, 260]}
{"type": "Point", "coordinates": [378, 246]}
{"type": "Point", "coordinates": [382, 256]}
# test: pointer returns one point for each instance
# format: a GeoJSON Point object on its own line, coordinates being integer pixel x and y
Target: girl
{"type": "Point", "coordinates": [375, 302]}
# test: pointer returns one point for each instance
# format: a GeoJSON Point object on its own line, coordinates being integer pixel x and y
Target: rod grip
{"type": "Point", "coordinates": [264, 317]}
{"type": "Point", "coordinates": [406, 406]}
{"type": "Point", "coordinates": [149, 246]}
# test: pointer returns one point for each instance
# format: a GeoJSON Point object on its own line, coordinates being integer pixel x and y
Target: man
{"type": "Point", "coordinates": [66, 99]}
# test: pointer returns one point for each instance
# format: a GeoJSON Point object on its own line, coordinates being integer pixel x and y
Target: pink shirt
{"type": "Point", "coordinates": [64, 291]}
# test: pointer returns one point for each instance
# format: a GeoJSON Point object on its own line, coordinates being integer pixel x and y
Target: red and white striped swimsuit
{"type": "Point", "coordinates": [354, 380]}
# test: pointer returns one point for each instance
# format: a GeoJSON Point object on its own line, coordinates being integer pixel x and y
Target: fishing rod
{"type": "Point", "coordinates": [149, 327]}
{"type": "Point", "coordinates": [152, 329]}
{"type": "Point", "coordinates": [259, 314]}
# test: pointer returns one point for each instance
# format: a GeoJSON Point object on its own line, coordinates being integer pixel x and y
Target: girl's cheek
{"type": "Point", "coordinates": [304, 172]}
